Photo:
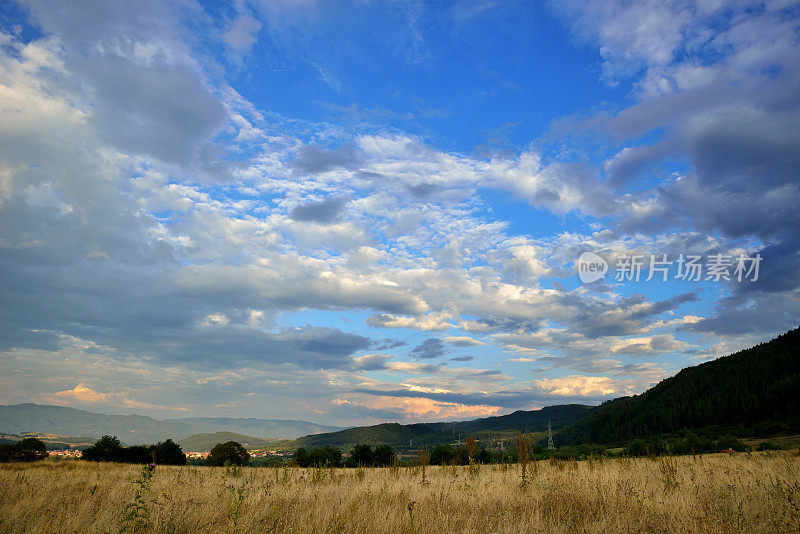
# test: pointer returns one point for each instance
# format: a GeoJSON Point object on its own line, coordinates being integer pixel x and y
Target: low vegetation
{"type": "Point", "coordinates": [737, 492]}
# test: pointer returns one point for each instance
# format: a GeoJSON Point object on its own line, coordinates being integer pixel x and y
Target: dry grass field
{"type": "Point", "coordinates": [758, 492]}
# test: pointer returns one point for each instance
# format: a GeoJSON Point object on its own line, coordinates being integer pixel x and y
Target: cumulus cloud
{"type": "Point", "coordinates": [429, 322]}
{"type": "Point", "coordinates": [82, 393]}
{"type": "Point", "coordinates": [140, 193]}
{"type": "Point", "coordinates": [85, 395]}
{"type": "Point", "coordinates": [579, 385]}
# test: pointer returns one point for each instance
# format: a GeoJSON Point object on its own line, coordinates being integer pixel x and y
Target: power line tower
{"type": "Point", "coordinates": [550, 437]}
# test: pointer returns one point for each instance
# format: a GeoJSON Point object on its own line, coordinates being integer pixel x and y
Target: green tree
{"type": "Point", "coordinates": [106, 449]}
{"type": "Point", "coordinates": [300, 457]}
{"type": "Point", "coordinates": [229, 453]}
{"type": "Point", "coordinates": [361, 455]}
{"type": "Point", "coordinates": [327, 456]}
{"type": "Point", "coordinates": [170, 453]}
{"type": "Point", "coordinates": [442, 454]}
{"type": "Point", "coordinates": [383, 455]}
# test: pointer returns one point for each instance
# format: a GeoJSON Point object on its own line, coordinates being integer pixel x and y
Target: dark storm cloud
{"type": "Point", "coordinates": [370, 362]}
{"type": "Point", "coordinates": [164, 111]}
{"type": "Point", "coordinates": [755, 314]}
{"type": "Point", "coordinates": [744, 149]}
{"type": "Point", "coordinates": [138, 310]}
{"type": "Point", "coordinates": [388, 343]}
{"type": "Point", "coordinates": [14, 335]}
{"type": "Point", "coordinates": [225, 346]}
{"type": "Point", "coordinates": [775, 292]}
{"type": "Point", "coordinates": [358, 413]}
{"type": "Point", "coordinates": [323, 211]}
{"type": "Point", "coordinates": [423, 190]}
{"type": "Point", "coordinates": [160, 108]}
{"type": "Point", "coordinates": [313, 159]}
{"type": "Point", "coordinates": [661, 306]}
{"type": "Point", "coordinates": [627, 317]}
{"type": "Point", "coordinates": [506, 324]}
{"type": "Point", "coordinates": [779, 269]}
{"type": "Point", "coordinates": [428, 349]}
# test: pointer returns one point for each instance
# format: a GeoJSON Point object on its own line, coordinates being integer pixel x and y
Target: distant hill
{"type": "Point", "coordinates": [749, 387]}
{"type": "Point", "coordinates": [265, 428]}
{"type": "Point", "coordinates": [138, 429]}
{"type": "Point", "coordinates": [413, 435]}
{"type": "Point", "coordinates": [53, 441]}
{"type": "Point", "coordinates": [205, 442]}
{"type": "Point", "coordinates": [132, 429]}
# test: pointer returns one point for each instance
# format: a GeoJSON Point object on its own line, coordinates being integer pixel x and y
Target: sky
{"type": "Point", "coordinates": [381, 211]}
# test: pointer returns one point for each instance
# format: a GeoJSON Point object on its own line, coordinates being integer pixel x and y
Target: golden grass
{"type": "Point", "coordinates": [743, 492]}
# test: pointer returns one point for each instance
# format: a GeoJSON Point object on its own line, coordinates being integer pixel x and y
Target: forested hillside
{"type": "Point", "coordinates": [432, 433]}
{"type": "Point", "coordinates": [756, 386]}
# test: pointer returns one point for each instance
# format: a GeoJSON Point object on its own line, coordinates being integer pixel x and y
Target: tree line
{"type": "Point", "coordinates": [26, 450]}
{"type": "Point", "coordinates": [232, 453]}
{"type": "Point", "coordinates": [110, 449]}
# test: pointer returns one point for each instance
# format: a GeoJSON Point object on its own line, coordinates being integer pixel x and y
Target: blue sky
{"type": "Point", "coordinates": [353, 212]}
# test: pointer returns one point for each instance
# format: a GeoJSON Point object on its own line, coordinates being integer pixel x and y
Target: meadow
{"type": "Point", "coordinates": [741, 492]}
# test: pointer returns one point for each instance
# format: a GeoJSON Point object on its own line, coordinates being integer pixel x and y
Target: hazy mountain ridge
{"type": "Point", "coordinates": [251, 426]}
{"type": "Point", "coordinates": [139, 429]}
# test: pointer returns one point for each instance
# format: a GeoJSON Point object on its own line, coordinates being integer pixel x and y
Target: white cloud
{"type": "Point", "coordinates": [131, 174]}
{"type": "Point", "coordinates": [463, 341]}
{"type": "Point", "coordinates": [243, 33]}
{"type": "Point", "coordinates": [433, 321]}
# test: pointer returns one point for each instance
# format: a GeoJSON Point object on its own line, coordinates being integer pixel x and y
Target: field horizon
{"type": "Point", "coordinates": [741, 492]}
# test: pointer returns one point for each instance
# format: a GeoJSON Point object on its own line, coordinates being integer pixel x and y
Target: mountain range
{"type": "Point", "coordinates": [755, 391]}
{"type": "Point", "coordinates": [139, 429]}
{"type": "Point", "coordinates": [487, 430]}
